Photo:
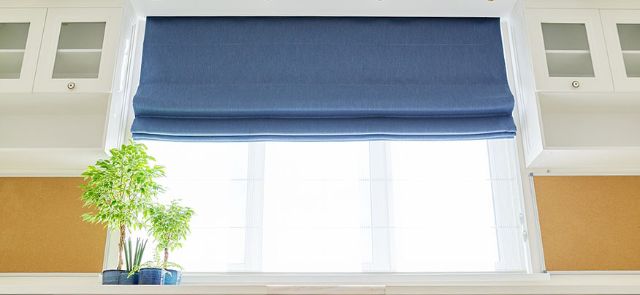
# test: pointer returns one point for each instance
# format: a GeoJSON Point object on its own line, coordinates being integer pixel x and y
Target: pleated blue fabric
{"type": "Point", "coordinates": [322, 79]}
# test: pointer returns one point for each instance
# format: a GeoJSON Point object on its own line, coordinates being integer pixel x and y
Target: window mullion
{"type": "Point", "coordinates": [254, 208]}
{"type": "Point", "coordinates": [506, 204]}
{"type": "Point", "coordinates": [380, 207]}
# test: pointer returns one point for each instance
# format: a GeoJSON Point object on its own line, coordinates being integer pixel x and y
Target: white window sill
{"type": "Point", "coordinates": [555, 283]}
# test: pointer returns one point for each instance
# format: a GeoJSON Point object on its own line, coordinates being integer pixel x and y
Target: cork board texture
{"type": "Point", "coordinates": [41, 229]}
{"type": "Point", "coordinates": [590, 223]}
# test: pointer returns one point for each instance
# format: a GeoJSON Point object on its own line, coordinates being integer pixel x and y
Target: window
{"type": "Point", "coordinates": [435, 206]}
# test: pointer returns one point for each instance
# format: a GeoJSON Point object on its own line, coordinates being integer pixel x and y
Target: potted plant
{"type": "Point", "coordinates": [119, 189]}
{"type": "Point", "coordinates": [133, 260]}
{"type": "Point", "coordinates": [169, 226]}
{"type": "Point", "coordinates": [152, 272]}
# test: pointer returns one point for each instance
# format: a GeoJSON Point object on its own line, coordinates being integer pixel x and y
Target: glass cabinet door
{"type": "Point", "coordinates": [622, 32]}
{"type": "Point", "coordinates": [13, 42]}
{"type": "Point", "coordinates": [79, 50]}
{"type": "Point", "coordinates": [568, 50]}
{"type": "Point", "coordinates": [20, 32]}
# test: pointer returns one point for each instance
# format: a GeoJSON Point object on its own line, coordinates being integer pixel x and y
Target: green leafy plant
{"type": "Point", "coordinates": [133, 256]}
{"type": "Point", "coordinates": [157, 262]}
{"type": "Point", "coordinates": [120, 188]}
{"type": "Point", "coordinates": [169, 226]}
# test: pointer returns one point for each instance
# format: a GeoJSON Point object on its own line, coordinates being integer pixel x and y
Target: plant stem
{"type": "Point", "coordinates": [166, 257]}
{"type": "Point", "coordinates": [121, 246]}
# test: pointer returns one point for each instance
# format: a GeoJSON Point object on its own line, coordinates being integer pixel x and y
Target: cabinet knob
{"type": "Point", "coordinates": [575, 84]}
{"type": "Point", "coordinates": [71, 85]}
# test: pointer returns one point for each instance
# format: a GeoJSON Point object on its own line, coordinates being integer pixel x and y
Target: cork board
{"type": "Point", "coordinates": [590, 223]}
{"type": "Point", "coordinates": [41, 229]}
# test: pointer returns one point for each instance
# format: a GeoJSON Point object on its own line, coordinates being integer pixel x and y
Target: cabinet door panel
{"type": "Point", "coordinates": [568, 49]}
{"type": "Point", "coordinates": [20, 35]}
{"type": "Point", "coordinates": [622, 32]}
{"type": "Point", "coordinates": [79, 50]}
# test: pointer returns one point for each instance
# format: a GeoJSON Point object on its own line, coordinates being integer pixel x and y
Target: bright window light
{"type": "Point", "coordinates": [436, 206]}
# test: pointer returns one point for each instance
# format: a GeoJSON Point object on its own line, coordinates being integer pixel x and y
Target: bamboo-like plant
{"type": "Point", "coordinates": [133, 256]}
{"type": "Point", "coordinates": [120, 188]}
{"type": "Point", "coordinates": [169, 226]}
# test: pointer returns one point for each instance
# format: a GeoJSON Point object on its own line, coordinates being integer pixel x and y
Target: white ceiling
{"type": "Point", "coordinates": [323, 7]}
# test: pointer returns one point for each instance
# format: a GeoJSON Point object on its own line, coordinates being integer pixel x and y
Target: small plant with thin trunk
{"type": "Point", "coordinates": [120, 188]}
{"type": "Point", "coordinates": [169, 226]}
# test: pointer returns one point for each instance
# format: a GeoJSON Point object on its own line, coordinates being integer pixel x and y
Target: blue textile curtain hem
{"type": "Point", "coordinates": [347, 129]}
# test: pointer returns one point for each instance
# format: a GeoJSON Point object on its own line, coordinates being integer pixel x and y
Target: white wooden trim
{"type": "Point", "coordinates": [511, 30]}
{"type": "Point", "coordinates": [450, 8]}
{"type": "Point", "coordinates": [110, 260]}
{"type": "Point", "coordinates": [316, 284]}
{"type": "Point", "coordinates": [582, 4]}
{"type": "Point", "coordinates": [61, 3]}
{"type": "Point", "coordinates": [527, 115]}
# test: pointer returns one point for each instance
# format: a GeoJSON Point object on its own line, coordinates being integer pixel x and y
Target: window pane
{"type": "Point", "coordinates": [347, 206]}
{"type": "Point", "coordinates": [211, 179]}
{"type": "Point", "coordinates": [443, 208]}
{"type": "Point", "coordinates": [315, 206]}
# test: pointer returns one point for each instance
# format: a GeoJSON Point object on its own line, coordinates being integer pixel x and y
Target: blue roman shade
{"type": "Point", "coordinates": [322, 79]}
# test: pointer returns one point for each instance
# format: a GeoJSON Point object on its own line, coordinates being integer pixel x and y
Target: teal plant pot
{"type": "Point", "coordinates": [111, 276]}
{"type": "Point", "coordinates": [172, 277]}
{"type": "Point", "coordinates": [126, 279]}
{"type": "Point", "coordinates": [151, 276]}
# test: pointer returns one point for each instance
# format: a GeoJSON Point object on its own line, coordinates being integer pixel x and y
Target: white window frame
{"type": "Point", "coordinates": [501, 154]}
{"type": "Point", "coordinates": [529, 219]}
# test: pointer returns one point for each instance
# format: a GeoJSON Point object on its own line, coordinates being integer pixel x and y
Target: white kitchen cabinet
{"type": "Point", "coordinates": [78, 52]}
{"type": "Point", "coordinates": [568, 50]}
{"type": "Point", "coordinates": [579, 85]}
{"type": "Point", "coordinates": [57, 65]}
{"type": "Point", "coordinates": [20, 35]}
{"type": "Point", "coordinates": [622, 33]}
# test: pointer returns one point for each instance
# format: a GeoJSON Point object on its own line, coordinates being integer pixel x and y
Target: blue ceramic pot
{"type": "Point", "coordinates": [172, 277]}
{"type": "Point", "coordinates": [111, 276]}
{"type": "Point", "coordinates": [151, 276]}
{"type": "Point", "coordinates": [125, 279]}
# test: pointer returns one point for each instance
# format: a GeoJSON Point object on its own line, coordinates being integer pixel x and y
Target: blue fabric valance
{"type": "Point", "coordinates": [322, 79]}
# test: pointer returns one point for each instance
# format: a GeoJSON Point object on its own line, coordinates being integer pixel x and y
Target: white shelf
{"type": "Point", "coordinates": [53, 104]}
{"type": "Point", "coordinates": [569, 63]}
{"type": "Point", "coordinates": [11, 51]}
{"type": "Point", "coordinates": [560, 51]}
{"type": "Point", "coordinates": [588, 159]}
{"type": "Point", "coordinates": [588, 131]}
{"type": "Point", "coordinates": [76, 63]}
{"type": "Point", "coordinates": [47, 161]}
{"type": "Point", "coordinates": [47, 121]}
{"type": "Point", "coordinates": [79, 50]}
